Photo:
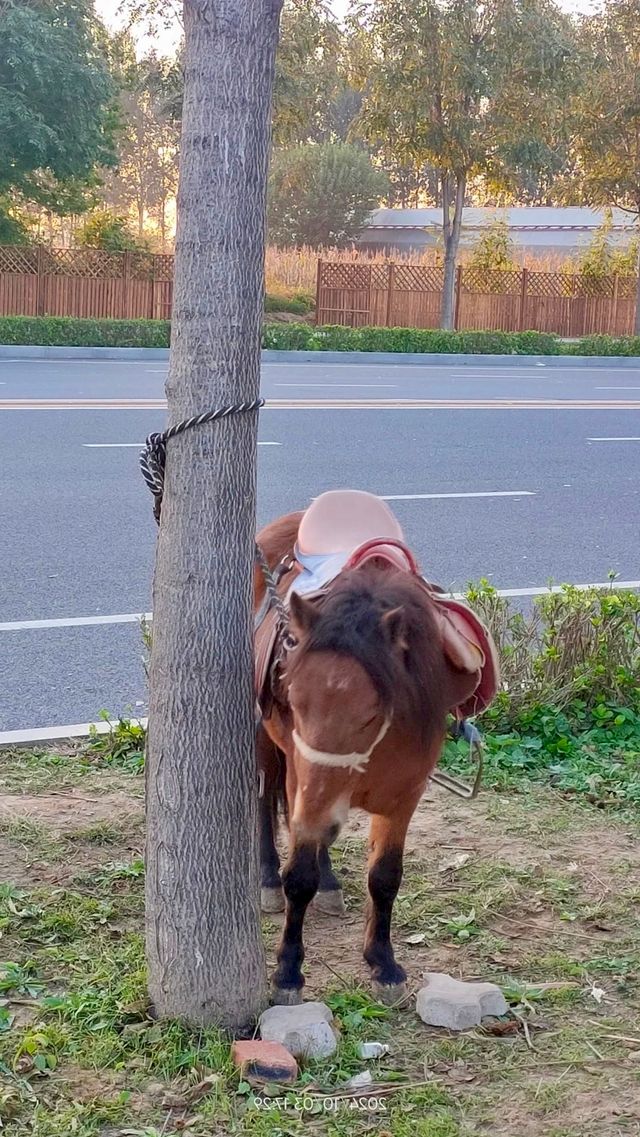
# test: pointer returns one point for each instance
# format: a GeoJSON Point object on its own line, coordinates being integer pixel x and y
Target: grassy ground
{"type": "Point", "coordinates": [535, 890]}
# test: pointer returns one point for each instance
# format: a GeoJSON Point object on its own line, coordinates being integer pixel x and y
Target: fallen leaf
{"type": "Point", "coordinates": [460, 1073]}
{"type": "Point", "coordinates": [416, 938]}
{"type": "Point", "coordinates": [500, 1027]}
{"type": "Point", "coordinates": [597, 993]}
{"type": "Point", "coordinates": [203, 1088]}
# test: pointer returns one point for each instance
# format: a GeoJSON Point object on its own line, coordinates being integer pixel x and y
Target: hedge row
{"type": "Point", "coordinates": [70, 332]}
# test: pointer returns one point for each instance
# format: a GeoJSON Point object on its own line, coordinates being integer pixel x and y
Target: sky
{"type": "Point", "coordinates": [168, 38]}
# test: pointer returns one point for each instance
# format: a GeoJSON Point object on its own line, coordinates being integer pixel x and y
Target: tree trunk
{"type": "Point", "coordinates": [636, 322]}
{"type": "Point", "coordinates": [448, 292]}
{"type": "Point", "coordinates": [453, 190]}
{"type": "Point", "coordinates": [204, 948]}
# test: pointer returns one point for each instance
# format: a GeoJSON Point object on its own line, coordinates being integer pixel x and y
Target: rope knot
{"type": "Point", "coordinates": [153, 458]}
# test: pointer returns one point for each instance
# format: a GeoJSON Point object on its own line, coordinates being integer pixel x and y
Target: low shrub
{"type": "Point", "coordinates": [576, 650]}
{"type": "Point", "coordinates": [412, 340]}
{"type": "Point", "coordinates": [64, 331]}
{"type": "Point", "coordinates": [295, 300]}
{"type": "Point", "coordinates": [72, 332]}
{"type": "Point", "coordinates": [605, 345]}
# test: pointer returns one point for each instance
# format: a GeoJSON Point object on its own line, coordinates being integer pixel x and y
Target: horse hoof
{"type": "Point", "coordinates": [330, 902]}
{"type": "Point", "coordinates": [271, 900]}
{"type": "Point", "coordinates": [286, 996]}
{"type": "Point", "coordinates": [391, 994]}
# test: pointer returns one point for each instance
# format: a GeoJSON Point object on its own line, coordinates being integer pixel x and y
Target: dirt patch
{"type": "Point", "coordinates": [62, 812]}
{"type": "Point", "coordinates": [545, 891]}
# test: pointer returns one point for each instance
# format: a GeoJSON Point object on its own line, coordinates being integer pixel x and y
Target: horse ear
{"type": "Point", "coordinates": [304, 614]}
{"type": "Point", "coordinates": [395, 622]}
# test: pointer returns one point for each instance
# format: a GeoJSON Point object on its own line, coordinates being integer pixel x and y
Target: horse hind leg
{"type": "Point", "coordinates": [329, 898]}
{"type": "Point", "coordinates": [271, 763]}
{"type": "Point", "coordinates": [386, 849]}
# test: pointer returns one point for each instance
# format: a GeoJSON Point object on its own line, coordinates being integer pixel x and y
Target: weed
{"type": "Point", "coordinates": [122, 745]}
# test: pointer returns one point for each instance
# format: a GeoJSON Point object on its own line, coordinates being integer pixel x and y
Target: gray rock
{"type": "Point", "coordinates": [448, 1002]}
{"type": "Point", "coordinates": [306, 1030]}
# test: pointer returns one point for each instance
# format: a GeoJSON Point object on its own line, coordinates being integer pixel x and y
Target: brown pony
{"type": "Point", "coordinates": [357, 717]}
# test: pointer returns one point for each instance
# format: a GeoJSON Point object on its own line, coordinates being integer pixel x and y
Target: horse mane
{"type": "Point", "coordinates": [409, 683]}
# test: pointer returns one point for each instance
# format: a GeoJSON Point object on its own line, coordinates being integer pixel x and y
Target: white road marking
{"type": "Point", "coordinates": [43, 734]}
{"type": "Point", "coordinates": [139, 445]}
{"type": "Point", "coordinates": [631, 438]}
{"type": "Point", "coordinates": [479, 493]}
{"type": "Point", "coordinates": [136, 617]}
{"type": "Point", "coordinates": [616, 388]}
{"type": "Point", "coordinates": [357, 386]}
{"type": "Point", "coordinates": [346, 404]}
{"type": "Point", "coordinates": [73, 622]}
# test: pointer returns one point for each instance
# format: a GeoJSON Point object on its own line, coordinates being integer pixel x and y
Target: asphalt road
{"type": "Point", "coordinates": [557, 471]}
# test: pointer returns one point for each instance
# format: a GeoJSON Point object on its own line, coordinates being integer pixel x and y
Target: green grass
{"type": "Point", "coordinates": [91, 1061]}
{"type": "Point", "coordinates": [599, 764]}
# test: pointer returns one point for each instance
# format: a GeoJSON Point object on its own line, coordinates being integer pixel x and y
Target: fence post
{"type": "Point", "coordinates": [458, 291]}
{"type": "Point", "coordinates": [318, 288]}
{"type": "Point", "coordinates": [523, 299]}
{"type": "Point", "coordinates": [40, 282]}
{"type": "Point", "coordinates": [613, 318]}
{"type": "Point", "coordinates": [126, 276]}
{"type": "Point", "coordinates": [390, 283]}
{"type": "Point", "coordinates": [152, 298]}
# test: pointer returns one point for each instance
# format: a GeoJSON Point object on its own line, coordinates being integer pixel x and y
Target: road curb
{"type": "Point", "coordinates": [18, 739]}
{"type": "Point", "coordinates": [417, 359]}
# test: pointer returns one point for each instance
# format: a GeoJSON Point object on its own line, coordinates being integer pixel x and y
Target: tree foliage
{"type": "Point", "coordinates": [56, 99]}
{"type": "Point", "coordinates": [145, 178]}
{"type": "Point", "coordinates": [607, 110]}
{"type": "Point", "coordinates": [104, 230]}
{"type": "Point", "coordinates": [470, 88]}
{"type": "Point", "coordinates": [602, 258]}
{"type": "Point", "coordinates": [13, 229]}
{"type": "Point", "coordinates": [607, 113]}
{"type": "Point", "coordinates": [494, 249]}
{"type": "Point", "coordinates": [322, 194]}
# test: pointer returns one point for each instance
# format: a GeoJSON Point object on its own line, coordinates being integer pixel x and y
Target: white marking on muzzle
{"type": "Point", "coordinates": [354, 761]}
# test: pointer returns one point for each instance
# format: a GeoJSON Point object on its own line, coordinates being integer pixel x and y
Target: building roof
{"type": "Point", "coordinates": [537, 217]}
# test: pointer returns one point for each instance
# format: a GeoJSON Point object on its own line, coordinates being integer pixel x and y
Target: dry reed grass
{"type": "Point", "coordinates": [297, 268]}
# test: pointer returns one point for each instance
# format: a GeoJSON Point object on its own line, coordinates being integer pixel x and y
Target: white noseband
{"type": "Point", "coordinates": [354, 761]}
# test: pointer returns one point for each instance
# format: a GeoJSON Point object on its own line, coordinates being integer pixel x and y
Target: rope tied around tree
{"type": "Point", "coordinates": [153, 458]}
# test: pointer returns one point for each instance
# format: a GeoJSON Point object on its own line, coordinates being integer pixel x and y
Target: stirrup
{"type": "Point", "coordinates": [457, 786]}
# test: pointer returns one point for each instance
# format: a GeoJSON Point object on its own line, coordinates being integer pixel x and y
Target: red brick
{"type": "Point", "coordinates": [268, 1061]}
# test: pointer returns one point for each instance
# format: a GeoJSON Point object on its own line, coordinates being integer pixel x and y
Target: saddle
{"type": "Point", "coordinates": [344, 529]}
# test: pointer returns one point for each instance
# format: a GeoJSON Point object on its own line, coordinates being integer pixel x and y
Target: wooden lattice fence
{"type": "Point", "coordinates": [402, 295]}
{"type": "Point", "coordinates": [93, 283]}
{"type": "Point", "coordinates": [38, 281]}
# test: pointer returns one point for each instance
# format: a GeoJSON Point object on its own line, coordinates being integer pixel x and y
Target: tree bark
{"type": "Point", "coordinates": [453, 191]}
{"type": "Point", "coordinates": [204, 948]}
{"type": "Point", "coordinates": [636, 322]}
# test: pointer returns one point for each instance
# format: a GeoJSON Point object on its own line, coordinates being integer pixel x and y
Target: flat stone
{"type": "Point", "coordinates": [448, 1002]}
{"type": "Point", "coordinates": [266, 1061]}
{"type": "Point", "coordinates": [306, 1031]}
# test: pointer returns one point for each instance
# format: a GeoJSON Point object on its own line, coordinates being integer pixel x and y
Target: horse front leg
{"type": "Point", "coordinates": [300, 878]}
{"type": "Point", "coordinates": [386, 849]}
